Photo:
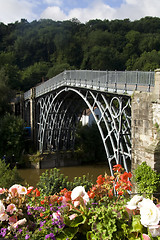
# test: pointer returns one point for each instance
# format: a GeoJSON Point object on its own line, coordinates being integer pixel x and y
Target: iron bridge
{"type": "Point", "coordinates": [60, 102]}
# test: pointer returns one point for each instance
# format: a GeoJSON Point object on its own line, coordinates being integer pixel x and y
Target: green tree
{"type": "Point", "coordinates": [8, 176]}
{"type": "Point", "coordinates": [58, 68]}
{"type": "Point", "coordinates": [6, 94]}
{"type": "Point", "coordinates": [12, 136]}
{"type": "Point", "coordinates": [147, 61]}
{"type": "Point", "coordinates": [34, 74]}
{"type": "Point", "coordinates": [89, 142]}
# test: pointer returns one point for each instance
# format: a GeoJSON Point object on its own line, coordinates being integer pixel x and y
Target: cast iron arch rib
{"type": "Point", "coordinates": [57, 121]}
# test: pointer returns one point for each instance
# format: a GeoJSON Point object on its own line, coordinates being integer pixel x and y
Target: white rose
{"type": "Point", "coordinates": [133, 203]}
{"type": "Point", "coordinates": [78, 192]}
{"type": "Point", "coordinates": [150, 214]}
{"type": "Point", "coordinates": [155, 230]}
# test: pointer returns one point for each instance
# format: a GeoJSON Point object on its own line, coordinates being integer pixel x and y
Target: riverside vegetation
{"type": "Point", "coordinates": [103, 210]}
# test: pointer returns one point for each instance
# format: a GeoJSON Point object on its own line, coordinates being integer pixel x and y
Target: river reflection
{"type": "Point", "coordinates": [31, 176]}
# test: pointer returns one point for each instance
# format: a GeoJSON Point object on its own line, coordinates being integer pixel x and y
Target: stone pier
{"type": "Point", "coordinates": [146, 126]}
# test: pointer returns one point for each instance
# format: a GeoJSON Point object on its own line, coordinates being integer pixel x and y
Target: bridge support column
{"type": "Point", "coordinates": [146, 126]}
{"type": "Point", "coordinates": [32, 115]}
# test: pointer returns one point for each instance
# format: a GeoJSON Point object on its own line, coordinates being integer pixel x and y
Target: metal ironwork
{"type": "Point", "coordinates": [60, 111]}
{"type": "Point", "coordinates": [110, 81]}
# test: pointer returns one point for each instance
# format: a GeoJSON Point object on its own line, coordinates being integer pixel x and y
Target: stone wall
{"type": "Point", "coordinates": [58, 159]}
{"type": "Point", "coordinates": [146, 127]}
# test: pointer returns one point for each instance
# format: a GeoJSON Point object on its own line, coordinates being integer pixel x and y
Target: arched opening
{"type": "Point", "coordinates": [62, 113]}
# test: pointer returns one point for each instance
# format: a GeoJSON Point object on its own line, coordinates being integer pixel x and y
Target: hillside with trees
{"type": "Point", "coordinates": [34, 52]}
{"type": "Point", "coordinates": [44, 48]}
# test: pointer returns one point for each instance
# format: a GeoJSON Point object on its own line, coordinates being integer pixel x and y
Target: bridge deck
{"type": "Point", "coordinates": [121, 82]}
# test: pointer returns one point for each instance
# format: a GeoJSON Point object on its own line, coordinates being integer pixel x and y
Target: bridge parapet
{"type": "Point", "coordinates": [110, 81]}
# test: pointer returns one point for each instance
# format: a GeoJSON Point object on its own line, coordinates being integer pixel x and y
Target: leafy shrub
{"type": "Point", "coordinates": [52, 181]}
{"type": "Point", "coordinates": [8, 176]}
{"type": "Point", "coordinates": [12, 136]}
{"type": "Point", "coordinates": [147, 180]}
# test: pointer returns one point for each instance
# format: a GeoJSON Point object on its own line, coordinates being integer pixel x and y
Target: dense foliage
{"type": "Point", "coordinates": [12, 134]}
{"type": "Point", "coordinates": [85, 139]}
{"type": "Point", "coordinates": [30, 52]}
{"type": "Point", "coordinates": [104, 212]}
{"type": "Point", "coordinates": [147, 180]}
{"type": "Point", "coordinates": [8, 176]}
{"type": "Point", "coordinates": [53, 181]}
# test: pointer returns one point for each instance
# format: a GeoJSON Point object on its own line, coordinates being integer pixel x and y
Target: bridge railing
{"type": "Point", "coordinates": [122, 81]}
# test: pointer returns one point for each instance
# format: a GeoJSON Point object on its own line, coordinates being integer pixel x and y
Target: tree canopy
{"type": "Point", "coordinates": [30, 52]}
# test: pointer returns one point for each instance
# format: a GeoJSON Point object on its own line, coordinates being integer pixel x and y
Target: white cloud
{"type": "Point", "coordinates": [132, 9]}
{"type": "Point", "coordinates": [135, 9]}
{"type": "Point", "coordinates": [97, 11]}
{"type": "Point", "coordinates": [54, 13]}
{"type": "Point", "coordinates": [13, 10]}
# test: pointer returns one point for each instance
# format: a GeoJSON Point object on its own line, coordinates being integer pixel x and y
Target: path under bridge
{"type": "Point", "coordinates": [54, 108]}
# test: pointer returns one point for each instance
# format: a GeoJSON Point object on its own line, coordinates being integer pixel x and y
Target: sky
{"type": "Point", "coordinates": [84, 10]}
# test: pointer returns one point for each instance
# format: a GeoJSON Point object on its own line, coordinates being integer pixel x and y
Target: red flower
{"type": "Point", "coordinates": [117, 167]}
{"type": "Point", "coordinates": [110, 193]}
{"type": "Point", "coordinates": [42, 202]}
{"type": "Point", "coordinates": [68, 195]}
{"type": "Point", "coordinates": [124, 177]}
{"type": "Point", "coordinates": [63, 191]}
{"type": "Point", "coordinates": [37, 192]}
{"type": "Point", "coordinates": [117, 185]}
{"type": "Point", "coordinates": [91, 194]}
{"type": "Point", "coordinates": [41, 214]}
{"type": "Point", "coordinates": [100, 180]}
{"type": "Point", "coordinates": [120, 193]}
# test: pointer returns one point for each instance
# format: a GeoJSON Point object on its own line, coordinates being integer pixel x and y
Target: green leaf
{"type": "Point", "coordinates": [76, 221]}
{"type": "Point", "coordinates": [67, 233]}
{"type": "Point", "coordinates": [136, 224]}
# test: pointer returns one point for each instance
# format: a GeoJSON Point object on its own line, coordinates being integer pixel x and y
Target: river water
{"type": "Point", "coordinates": [31, 176]}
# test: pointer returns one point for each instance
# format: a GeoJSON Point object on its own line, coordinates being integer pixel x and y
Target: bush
{"type": "Point", "coordinates": [8, 176]}
{"type": "Point", "coordinates": [12, 136]}
{"type": "Point", "coordinates": [52, 181]}
{"type": "Point", "coordinates": [146, 179]}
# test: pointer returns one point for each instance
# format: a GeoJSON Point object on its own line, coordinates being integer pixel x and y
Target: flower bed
{"type": "Point", "coordinates": [104, 212]}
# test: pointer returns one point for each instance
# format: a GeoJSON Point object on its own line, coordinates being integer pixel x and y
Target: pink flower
{"type": "Point", "coordinates": [22, 190]}
{"type": "Point", "coordinates": [71, 217]}
{"type": "Point", "coordinates": [14, 189]}
{"type": "Point", "coordinates": [145, 237]}
{"type": "Point", "coordinates": [2, 207]}
{"type": "Point", "coordinates": [20, 222]}
{"type": "Point", "coordinates": [11, 208]}
{"type": "Point", "coordinates": [2, 190]}
{"type": "Point", "coordinates": [3, 217]}
{"type": "Point", "coordinates": [64, 201]}
{"type": "Point", "coordinates": [12, 220]}
{"type": "Point", "coordinates": [56, 215]}
{"type": "Point", "coordinates": [30, 188]}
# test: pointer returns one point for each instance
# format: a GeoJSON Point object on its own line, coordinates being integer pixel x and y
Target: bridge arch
{"type": "Point", "coordinates": [60, 111]}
